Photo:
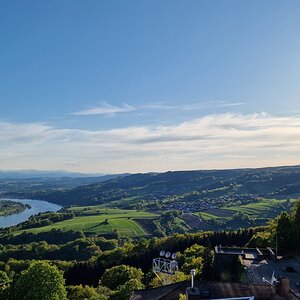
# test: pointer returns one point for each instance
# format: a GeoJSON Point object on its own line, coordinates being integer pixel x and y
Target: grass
{"type": "Point", "coordinates": [104, 222]}
{"type": "Point", "coordinates": [97, 220]}
{"type": "Point", "coordinates": [206, 216]}
{"type": "Point", "coordinates": [181, 222]}
{"type": "Point", "coordinates": [96, 209]}
{"type": "Point", "coordinates": [100, 210]}
{"type": "Point", "coordinates": [266, 208]}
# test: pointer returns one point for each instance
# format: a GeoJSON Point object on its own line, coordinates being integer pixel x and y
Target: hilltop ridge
{"type": "Point", "coordinates": [273, 182]}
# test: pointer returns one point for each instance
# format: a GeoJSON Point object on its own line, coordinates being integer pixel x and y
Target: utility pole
{"type": "Point", "coordinates": [276, 244]}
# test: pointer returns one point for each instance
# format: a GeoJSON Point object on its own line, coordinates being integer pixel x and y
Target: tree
{"type": "Point", "coordinates": [262, 239]}
{"type": "Point", "coordinates": [208, 264]}
{"type": "Point", "coordinates": [237, 269]}
{"type": "Point", "coordinates": [125, 291]}
{"type": "Point", "coordinates": [182, 297]}
{"type": "Point", "coordinates": [192, 258]}
{"type": "Point", "coordinates": [40, 281]}
{"type": "Point", "coordinates": [285, 233]}
{"type": "Point", "coordinates": [80, 292]}
{"type": "Point", "coordinates": [177, 277]}
{"type": "Point", "coordinates": [4, 280]}
{"type": "Point", "coordinates": [296, 219]}
{"type": "Point", "coordinates": [4, 285]}
{"type": "Point", "coordinates": [117, 276]}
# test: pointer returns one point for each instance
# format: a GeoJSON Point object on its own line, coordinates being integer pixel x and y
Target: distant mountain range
{"type": "Point", "coordinates": [30, 183]}
{"type": "Point", "coordinates": [21, 174]}
{"type": "Point", "coordinates": [277, 182]}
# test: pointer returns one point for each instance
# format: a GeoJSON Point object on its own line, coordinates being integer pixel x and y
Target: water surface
{"type": "Point", "coordinates": [37, 206]}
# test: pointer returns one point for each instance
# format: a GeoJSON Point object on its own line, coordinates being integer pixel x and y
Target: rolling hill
{"type": "Point", "coordinates": [277, 182]}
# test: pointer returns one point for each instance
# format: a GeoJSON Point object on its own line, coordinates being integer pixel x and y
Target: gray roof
{"type": "Point", "coordinates": [216, 290]}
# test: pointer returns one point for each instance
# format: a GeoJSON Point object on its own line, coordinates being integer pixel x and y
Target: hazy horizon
{"type": "Point", "coordinates": [45, 171]}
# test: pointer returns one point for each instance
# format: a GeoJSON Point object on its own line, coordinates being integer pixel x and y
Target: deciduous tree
{"type": "Point", "coordinates": [41, 281]}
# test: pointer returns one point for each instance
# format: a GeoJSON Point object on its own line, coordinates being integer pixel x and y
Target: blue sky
{"type": "Point", "coordinates": [136, 86]}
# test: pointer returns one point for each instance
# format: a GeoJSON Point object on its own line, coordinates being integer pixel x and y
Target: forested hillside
{"type": "Point", "coordinates": [31, 185]}
{"type": "Point", "coordinates": [181, 186]}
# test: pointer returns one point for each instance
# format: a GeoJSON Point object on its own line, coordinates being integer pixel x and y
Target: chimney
{"type": "Point", "coordinates": [283, 287]}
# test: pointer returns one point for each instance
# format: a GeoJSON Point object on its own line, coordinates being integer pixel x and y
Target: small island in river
{"type": "Point", "coordinates": [9, 207]}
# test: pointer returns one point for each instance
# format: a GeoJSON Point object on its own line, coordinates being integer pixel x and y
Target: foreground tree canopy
{"type": "Point", "coordinates": [41, 281]}
{"type": "Point", "coordinates": [119, 275]}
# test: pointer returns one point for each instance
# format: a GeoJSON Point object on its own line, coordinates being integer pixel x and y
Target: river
{"type": "Point", "coordinates": [37, 206]}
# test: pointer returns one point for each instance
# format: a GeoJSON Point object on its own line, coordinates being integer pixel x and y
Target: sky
{"type": "Point", "coordinates": [139, 86]}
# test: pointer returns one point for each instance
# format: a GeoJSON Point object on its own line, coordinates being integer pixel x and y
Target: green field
{"type": "Point", "coordinates": [105, 221]}
{"type": "Point", "coordinates": [97, 220]}
{"type": "Point", "coordinates": [264, 209]}
{"type": "Point", "coordinates": [181, 222]}
{"type": "Point", "coordinates": [206, 216]}
{"type": "Point", "coordinates": [97, 209]}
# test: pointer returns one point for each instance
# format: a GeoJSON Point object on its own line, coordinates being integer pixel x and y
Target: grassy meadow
{"type": "Point", "coordinates": [96, 220]}
{"type": "Point", "coordinates": [264, 209]}
{"type": "Point", "coordinates": [99, 220]}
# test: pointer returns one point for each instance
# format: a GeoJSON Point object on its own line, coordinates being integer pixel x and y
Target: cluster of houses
{"type": "Point", "coordinates": [195, 205]}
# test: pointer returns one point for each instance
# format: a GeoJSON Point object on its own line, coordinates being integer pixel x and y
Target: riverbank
{"type": "Point", "coordinates": [9, 207]}
{"type": "Point", "coordinates": [35, 207]}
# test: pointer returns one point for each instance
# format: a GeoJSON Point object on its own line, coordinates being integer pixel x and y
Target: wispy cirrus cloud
{"type": "Point", "coordinates": [105, 109]}
{"type": "Point", "coordinates": [213, 141]}
{"type": "Point", "coordinates": [192, 106]}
